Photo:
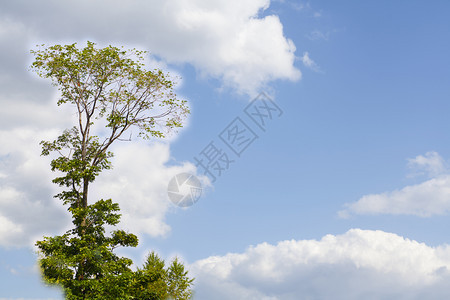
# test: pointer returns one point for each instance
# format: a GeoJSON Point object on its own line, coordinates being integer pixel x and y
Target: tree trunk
{"type": "Point", "coordinates": [85, 192]}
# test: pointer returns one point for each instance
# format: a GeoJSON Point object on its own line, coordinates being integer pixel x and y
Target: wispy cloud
{"type": "Point", "coordinates": [431, 164]}
{"type": "Point", "coordinates": [318, 35]}
{"type": "Point", "coordinates": [309, 63]}
{"type": "Point", "coordinates": [428, 198]}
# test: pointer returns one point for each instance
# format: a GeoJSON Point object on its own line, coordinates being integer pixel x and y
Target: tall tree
{"type": "Point", "coordinates": [109, 86]}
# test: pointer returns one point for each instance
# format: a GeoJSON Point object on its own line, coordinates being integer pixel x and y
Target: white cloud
{"type": "Point", "coordinates": [227, 40]}
{"type": "Point", "coordinates": [29, 114]}
{"type": "Point", "coordinates": [309, 63]}
{"type": "Point", "coordinates": [138, 182]}
{"type": "Point", "coordinates": [27, 208]}
{"type": "Point", "coordinates": [360, 264]}
{"type": "Point", "coordinates": [223, 39]}
{"type": "Point", "coordinates": [430, 164]}
{"type": "Point", "coordinates": [428, 198]}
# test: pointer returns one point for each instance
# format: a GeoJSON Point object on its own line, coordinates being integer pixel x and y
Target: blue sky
{"type": "Point", "coordinates": [345, 194]}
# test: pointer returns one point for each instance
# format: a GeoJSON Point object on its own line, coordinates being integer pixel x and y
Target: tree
{"type": "Point", "coordinates": [155, 281]}
{"type": "Point", "coordinates": [111, 86]}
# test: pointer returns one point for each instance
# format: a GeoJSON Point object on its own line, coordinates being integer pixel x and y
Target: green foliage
{"type": "Point", "coordinates": [82, 261]}
{"type": "Point", "coordinates": [109, 84]}
{"type": "Point", "coordinates": [112, 83]}
{"type": "Point", "coordinates": [77, 167]}
{"type": "Point", "coordinates": [154, 281]}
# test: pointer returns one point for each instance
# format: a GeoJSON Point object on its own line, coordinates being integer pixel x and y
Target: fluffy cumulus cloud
{"type": "Point", "coordinates": [360, 264]}
{"type": "Point", "coordinates": [29, 114]}
{"type": "Point", "coordinates": [228, 40]}
{"type": "Point", "coordinates": [27, 209]}
{"type": "Point", "coordinates": [138, 182]}
{"type": "Point", "coordinates": [425, 199]}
